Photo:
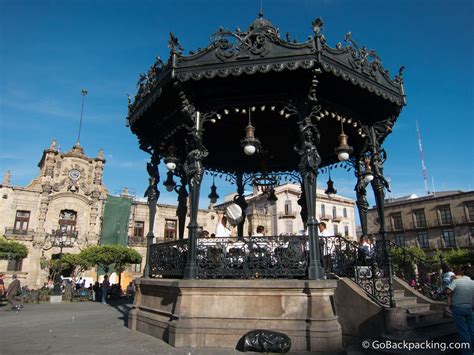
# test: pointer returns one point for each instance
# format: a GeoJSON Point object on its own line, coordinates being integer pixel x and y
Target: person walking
{"type": "Point", "coordinates": [105, 289]}
{"type": "Point", "coordinates": [2, 286]}
{"type": "Point", "coordinates": [12, 292]}
{"type": "Point", "coordinates": [460, 294]}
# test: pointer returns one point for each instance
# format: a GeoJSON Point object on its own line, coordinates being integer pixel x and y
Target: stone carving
{"type": "Point", "coordinates": [193, 166]}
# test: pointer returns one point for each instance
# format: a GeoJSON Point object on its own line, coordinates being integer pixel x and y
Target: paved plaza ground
{"type": "Point", "coordinates": [81, 328]}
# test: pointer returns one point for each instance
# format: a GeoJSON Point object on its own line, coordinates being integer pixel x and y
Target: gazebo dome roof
{"type": "Point", "coordinates": [263, 23]}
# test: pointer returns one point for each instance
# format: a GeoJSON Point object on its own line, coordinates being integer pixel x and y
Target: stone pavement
{"type": "Point", "coordinates": [81, 328]}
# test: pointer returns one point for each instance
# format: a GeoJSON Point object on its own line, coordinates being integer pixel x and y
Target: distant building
{"type": "Point", "coordinates": [436, 221]}
{"type": "Point", "coordinates": [283, 218]}
{"type": "Point", "coordinates": [69, 195]}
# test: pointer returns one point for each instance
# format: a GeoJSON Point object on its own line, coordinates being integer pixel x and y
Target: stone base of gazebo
{"type": "Point", "coordinates": [218, 313]}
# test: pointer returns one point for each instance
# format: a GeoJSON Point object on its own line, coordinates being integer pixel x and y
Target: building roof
{"type": "Point", "coordinates": [414, 199]}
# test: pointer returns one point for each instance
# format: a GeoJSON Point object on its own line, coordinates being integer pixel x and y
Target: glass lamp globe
{"type": "Point", "coordinates": [171, 165]}
{"type": "Point", "coordinates": [169, 188]}
{"type": "Point", "coordinates": [368, 177]}
{"type": "Point", "coordinates": [343, 156]}
{"type": "Point", "coordinates": [249, 149]}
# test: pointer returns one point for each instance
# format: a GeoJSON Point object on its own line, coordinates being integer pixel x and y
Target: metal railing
{"type": "Point", "coordinates": [254, 257]}
{"type": "Point", "coordinates": [288, 257]}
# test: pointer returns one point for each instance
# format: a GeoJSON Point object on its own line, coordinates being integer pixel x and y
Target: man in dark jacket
{"type": "Point", "coordinates": [12, 292]}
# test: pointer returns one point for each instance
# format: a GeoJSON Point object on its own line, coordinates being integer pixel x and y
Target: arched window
{"type": "Point", "coordinates": [67, 221]}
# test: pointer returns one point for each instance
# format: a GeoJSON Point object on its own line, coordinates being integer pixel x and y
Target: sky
{"type": "Point", "coordinates": [50, 50]}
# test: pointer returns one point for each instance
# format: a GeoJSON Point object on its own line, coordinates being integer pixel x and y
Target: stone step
{"type": "Point", "coordinates": [426, 332]}
{"type": "Point", "coordinates": [405, 302]}
{"type": "Point", "coordinates": [414, 318]}
{"type": "Point", "coordinates": [418, 308]}
{"type": "Point", "coordinates": [398, 293]}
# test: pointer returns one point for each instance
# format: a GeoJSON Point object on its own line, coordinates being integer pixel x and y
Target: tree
{"type": "Point", "coordinates": [12, 250]}
{"type": "Point", "coordinates": [458, 257]}
{"type": "Point", "coordinates": [73, 262]}
{"type": "Point", "coordinates": [405, 259]}
{"type": "Point", "coordinates": [106, 256]}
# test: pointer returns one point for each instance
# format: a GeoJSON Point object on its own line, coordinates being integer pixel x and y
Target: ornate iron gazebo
{"type": "Point", "coordinates": [253, 105]}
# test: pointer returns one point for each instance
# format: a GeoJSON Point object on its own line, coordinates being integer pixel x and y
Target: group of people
{"type": "Point", "coordinates": [105, 291]}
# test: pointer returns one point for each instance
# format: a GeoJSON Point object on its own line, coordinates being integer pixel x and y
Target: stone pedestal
{"type": "Point", "coordinates": [55, 299]}
{"type": "Point", "coordinates": [218, 313]}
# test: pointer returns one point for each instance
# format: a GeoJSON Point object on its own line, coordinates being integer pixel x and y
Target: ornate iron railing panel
{"type": "Point", "coordinates": [254, 257]}
{"type": "Point", "coordinates": [168, 259]}
{"type": "Point", "coordinates": [369, 270]}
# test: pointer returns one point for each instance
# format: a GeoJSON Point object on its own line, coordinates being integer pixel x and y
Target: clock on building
{"type": "Point", "coordinates": [74, 174]}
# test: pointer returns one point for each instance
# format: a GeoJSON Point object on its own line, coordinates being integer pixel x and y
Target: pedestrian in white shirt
{"type": "Point", "coordinates": [221, 229]}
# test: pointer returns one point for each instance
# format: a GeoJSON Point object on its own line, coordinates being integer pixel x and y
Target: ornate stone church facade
{"type": "Point", "coordinates": [68, 195]}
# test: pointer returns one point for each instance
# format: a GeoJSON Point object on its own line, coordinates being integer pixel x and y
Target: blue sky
{"type": "Point", "coordinates": [50, 50]}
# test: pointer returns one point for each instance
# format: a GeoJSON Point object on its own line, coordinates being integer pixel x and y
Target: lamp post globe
{"type": "Point", "coordinates": [250, 149]}
{"type": "Point", "coordinates": [171, 165]}
{"type": "Point", "coordinates": [343, 156]}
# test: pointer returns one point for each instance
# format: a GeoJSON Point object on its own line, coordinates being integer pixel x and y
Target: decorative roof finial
{"type": "Point", "coordinates": [260, 14]}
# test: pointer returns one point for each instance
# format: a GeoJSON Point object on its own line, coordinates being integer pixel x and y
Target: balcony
{"type": "Point", "coordinates": [136, 241]}
{"type": "Point", "coordinates": [287, 215]}
{"type": "Point", "coordinates": [337, 218]}
{"type": "Point", "coordinates": [26, 235]}
{"type": "Point", "coordinates": [325, 217]}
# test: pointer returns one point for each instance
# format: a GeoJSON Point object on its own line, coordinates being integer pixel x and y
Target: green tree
{"type": "Point", "coordinates": [405, 259]}
{"type": "Point", "coordinates": [106, 256]}
{"type": "Point", "coordinates": [12, 250]}
{"type": "Point", "coordinates": [458, 257]}
{"type": "Point", "coordinates": [73, 262]}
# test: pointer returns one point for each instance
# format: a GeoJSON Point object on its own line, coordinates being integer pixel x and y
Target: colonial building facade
{"type": "Point", "coordinates": [68, 198]}
{"type": "Point", "coordinates": [436, 221]}
{"type": "Point", "coordinates": [283, 217]}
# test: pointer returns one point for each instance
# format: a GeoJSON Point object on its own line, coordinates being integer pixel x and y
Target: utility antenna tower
{"type": "Point", "coordinates": [425, 178]}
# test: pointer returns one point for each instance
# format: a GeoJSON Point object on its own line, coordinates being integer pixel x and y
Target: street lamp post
{"type": "Point", "coordinates": [61, 239]}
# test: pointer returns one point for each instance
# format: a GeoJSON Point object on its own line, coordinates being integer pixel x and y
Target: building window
{"type": "Point", "coordinates": [420, 219]}
{"type": "Point", "coordinates": [323, 210]}
{"type": "Point", "coordinates": [288, 208]}
{"type": "Point", "coordinates": [397, 221]}
{"type": "Point", "coordinates": [445, 215]}
{"type": "Point", "coordinates": [346, 230]}
{"type": "Point", "coordinates": [344, 212]}
{"type": "Point", "coordinates": [22, 219]}
{"type": "Point", "coordinates": [449, 238]}
{"type": "Point", "coordinates": [400, 240]}
{"type": "Point", "coordinates": [67, 222]}
{"type": "Point", "coordinates": [170, 229]}
{"type": "Point", "coordinates": [289, 227]}
{"type": "Point", "coordinates": [138, 229]}
{"type": "Point", "coordinates": [137, 267]}
{"type": "Point", "coordinates": [14, 265]}
{"type": "Point", "coordinates": [336, 229]}
{"type": "Point", "coordinates": [334, 212]}
{"type": "Point", "coordinates": [470, 212]}
{"type": "Point", "coordinates": [423, 240]}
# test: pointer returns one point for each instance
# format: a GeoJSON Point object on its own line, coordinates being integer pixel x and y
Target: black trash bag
{"type": "Point", "coordinates": [265, 341]}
